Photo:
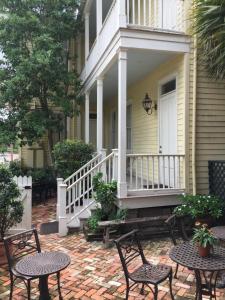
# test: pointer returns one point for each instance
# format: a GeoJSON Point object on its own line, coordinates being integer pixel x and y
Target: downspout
{"type": "Point", "coordinates": [194, 117]}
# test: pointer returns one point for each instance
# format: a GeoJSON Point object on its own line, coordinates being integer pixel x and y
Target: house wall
{"type": "Point", "coordinates": [145, 127]}
{"type": "Point", "coordinates": [210, 125]}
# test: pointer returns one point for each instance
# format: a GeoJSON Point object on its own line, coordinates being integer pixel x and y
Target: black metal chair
{"type": "Point", "coordinates": [130, 251]}
{"type": "Point", "coordinates": [175, 224]}
{"type": "Point", "coordinates": [16, 247]}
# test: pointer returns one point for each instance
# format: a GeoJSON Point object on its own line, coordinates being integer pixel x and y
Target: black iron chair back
{"type": "Point", "coordinates": [21, 244]}
{"type": "Point", "coordinates": [129, 249]}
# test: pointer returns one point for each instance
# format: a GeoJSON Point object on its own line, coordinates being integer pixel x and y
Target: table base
{"type": "Point", "coordinates": [206, 284]}
{"type": "Point", "coordinates": [220, 283]}
{"type": "Point", "coordinates": [43, 287]}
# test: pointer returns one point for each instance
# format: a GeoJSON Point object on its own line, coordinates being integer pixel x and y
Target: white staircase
{"type": "Point", "coordinates": [75, 194]}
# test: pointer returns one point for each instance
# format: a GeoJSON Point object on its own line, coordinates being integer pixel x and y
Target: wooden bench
{"type": "Point", "coordinates": [138, 222]}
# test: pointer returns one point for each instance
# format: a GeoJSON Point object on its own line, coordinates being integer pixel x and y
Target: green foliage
{"type": "Point", "coordinates": [203, 236]}
{"type": "Point", "coordinates": [11, 209]}
{"type": "Point", "coordinates": [39, 176]}
{"type": "Point", "coordinates": [35, 37]}
{"type": "Point", "coordinates": [105, 195]}
{"type": "Point", "coordinates": [209, 22]}
{"type": "Point", "coordinates": [71, 155]}
{"type": "Point", "coordinates": [200, 206]}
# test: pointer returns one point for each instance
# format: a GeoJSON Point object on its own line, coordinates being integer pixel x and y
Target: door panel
{"type": "Point", "coordinates": [168, 139]}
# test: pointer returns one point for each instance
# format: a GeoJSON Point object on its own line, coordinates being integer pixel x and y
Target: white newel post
{"type": "Point", "coordinates": [99, 114]}
{"type": "Point", "coordinates": [115, 164]}
{"type": "Point", "coordinates": [122, 127]}
{"type": "Point", "coordinates": [87, 112]}
{"type": "Point", "coordinates": [62, 210]}
{"type": "Point", "coordinates": [86, 18]}
{"type": "Point", "coordinates": [122, 13]}
{"type": "Point", "coordinates": [99, 15]}
{"type": "Point", "coordinates": [59, 182]}
{"type": "Point", "coordinates": [103, 168]}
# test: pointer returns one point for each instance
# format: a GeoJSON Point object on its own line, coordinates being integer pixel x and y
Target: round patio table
{"type": "Point", "coordinates": [206, 268]}
{"type": "Point", "coordinates": [219, 233]}
{"type": "Point", "coordinates": [42, 265]}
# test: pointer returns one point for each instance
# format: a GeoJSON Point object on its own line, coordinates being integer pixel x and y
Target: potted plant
{"type": "Point", "coordinates": [11, 208]}
{"type": "Point", "coordinates": [204, 239]}
{"type": "Point", "coordinates": [203, 208]}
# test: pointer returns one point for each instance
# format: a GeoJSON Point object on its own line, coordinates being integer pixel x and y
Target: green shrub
{"type": "Point", "coordinates": [198, 206]}
{"type": "Point", "coordinates": [11, 209]}
{"type": "Point", "coordinates": [71, 155]}
{"type": "Point", "coordinates": [15, 168]}
{"type": "Point", "coordinates": [105, 195]}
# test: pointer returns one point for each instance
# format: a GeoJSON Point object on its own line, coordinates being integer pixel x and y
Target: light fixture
{"type": "Point", "coordinates": [148, 104]}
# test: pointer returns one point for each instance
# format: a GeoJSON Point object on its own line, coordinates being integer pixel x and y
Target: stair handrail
{"type": "Point", "coordinates": [90, 171]}
{"type": "Point", "coordinates": [95, 158]}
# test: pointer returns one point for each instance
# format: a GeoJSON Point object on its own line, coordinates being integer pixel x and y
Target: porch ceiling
{"type": "Point", "coordinates": [140, 63]}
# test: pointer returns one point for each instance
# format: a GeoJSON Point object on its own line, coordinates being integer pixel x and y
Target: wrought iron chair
{"type": "Point", "coordinates": [177, 224]}
{"type": "Point", "coordinates": [16, 247]}
{"type": "Point", "coordinates": [130, 250]}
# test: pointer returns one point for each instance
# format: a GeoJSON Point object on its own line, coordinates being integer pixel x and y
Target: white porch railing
{"type": "Point", "coordinates": [75, 198]}
{"type": "Point", "coordinates": [25, 185]}
{"type": "Point", "coordinates": [154, 172]}
{"type": "Point", "coordinates": [158, 14]}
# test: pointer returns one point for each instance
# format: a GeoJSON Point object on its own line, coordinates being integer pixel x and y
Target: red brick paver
{"type": "Point", "coordinates": [95, 272]}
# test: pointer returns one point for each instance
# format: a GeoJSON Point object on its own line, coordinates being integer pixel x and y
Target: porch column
{"type": "Point", "coordinates": [87, 104]}
{"type": "Point", "coordinates": [122, 130]}
{"type": "Point", "coordinates": [98, 15]}
{"type": "Point", "coordinates": [86, 18]}
{"type": "Point", "coordinates": [99, 114]}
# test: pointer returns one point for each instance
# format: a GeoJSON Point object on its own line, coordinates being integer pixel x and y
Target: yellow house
{"type": "Point", "coordinates": [152, 112]}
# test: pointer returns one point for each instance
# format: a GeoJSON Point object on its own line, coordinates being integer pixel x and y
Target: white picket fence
{"type": "Point", "coordinates": [25, 185]}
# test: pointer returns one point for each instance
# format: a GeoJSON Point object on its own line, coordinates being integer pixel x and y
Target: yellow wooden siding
{"type": "Point", "coordinates": [210, 125]}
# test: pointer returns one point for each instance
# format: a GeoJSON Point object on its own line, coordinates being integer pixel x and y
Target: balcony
{"type": "Point", "coordinates": [146, 16]}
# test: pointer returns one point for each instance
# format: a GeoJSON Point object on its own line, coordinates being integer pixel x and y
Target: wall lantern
{"type": "Point", "coordinates": [148, 104]}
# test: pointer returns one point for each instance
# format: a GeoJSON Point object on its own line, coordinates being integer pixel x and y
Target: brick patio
{"type": "Point", "coordinates": [94, 272]}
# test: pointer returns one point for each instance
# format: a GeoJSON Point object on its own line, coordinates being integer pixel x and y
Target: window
{"type": "Point", "coordinates": [168, 87]}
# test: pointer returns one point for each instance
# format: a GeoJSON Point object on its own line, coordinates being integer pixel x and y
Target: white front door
{"type": "Point", "coordinates": [168, 135]}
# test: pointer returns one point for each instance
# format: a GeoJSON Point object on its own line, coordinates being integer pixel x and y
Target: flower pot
{"type": "Point", "coordinates": [204, 251]}
{"type": "Point", "coordinates": [208, 220]}
{"type": "Point", "coordinates": [3, 258]}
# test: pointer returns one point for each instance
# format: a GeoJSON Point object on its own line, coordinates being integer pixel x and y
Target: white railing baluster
{"type": "Point", "coordinates": [145, 12]}
{"type": "Point", "coordinates": [136, 163]}
{"type": "Point", "coordinates": [174, 172]}
{"type": "Point", "coordinates": [131, 171]}
{"type": "Point", "coordinates": [128, 11]}
{"type": "Point", "coordinates": [139, 12]}
{"type": "Point", "coordinates": [141, 172]}
{"type": "Point", "coordinates": [147, 161]}
{"type": "Point", "coordinates": [133, 12]}
{"type": "Point", "coordinates": [153, 172]}
{"type": "Point", "coordinates": [163, 171]}
{"type": "Point", "coordinates": [150, 13]}
{"type": "Point", "coordinates": [169, 177]}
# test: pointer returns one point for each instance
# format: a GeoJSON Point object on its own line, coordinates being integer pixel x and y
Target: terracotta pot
{"type": "Point", "coordinates": [205, 220]}
{"type": "Point", "coordinates": [3, 258]}
{"type": "Point", "coordinates": [204, 251]}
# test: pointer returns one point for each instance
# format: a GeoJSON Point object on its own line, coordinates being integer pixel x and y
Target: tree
{"type": "Point", "coordinates": [209, 24]}
{"type": "Point", "coordinates": [35, 37]}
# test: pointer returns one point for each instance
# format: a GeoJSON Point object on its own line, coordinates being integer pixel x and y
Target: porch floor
{"type": "Point", "coordinates": [95, 272]}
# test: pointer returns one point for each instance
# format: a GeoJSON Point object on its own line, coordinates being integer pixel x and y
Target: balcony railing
{"type": "Point", "coordinates": [156, 14]}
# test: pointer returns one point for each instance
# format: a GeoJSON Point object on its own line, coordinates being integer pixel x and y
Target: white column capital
{"type": "Point", "coordinates": [122, 54]}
